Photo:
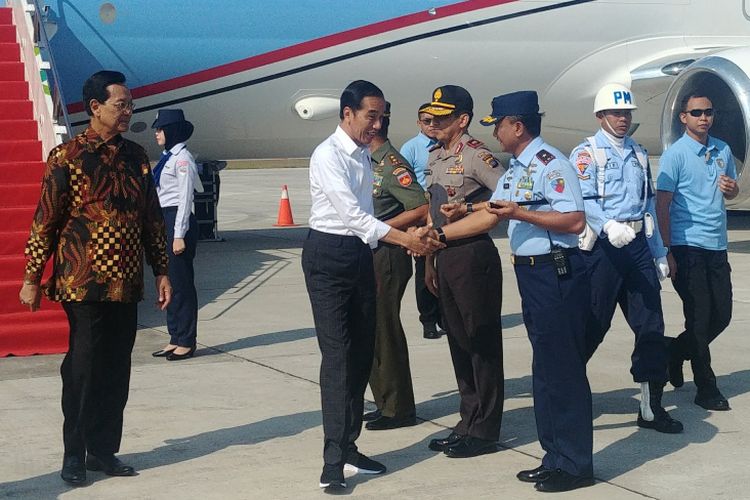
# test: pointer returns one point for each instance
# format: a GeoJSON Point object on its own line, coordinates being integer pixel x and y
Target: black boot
{"type": "Point", "coordinates": [652, 415]}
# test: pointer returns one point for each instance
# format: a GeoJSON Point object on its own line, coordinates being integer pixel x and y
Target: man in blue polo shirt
{"type": "Point", "coordinates": [696, 175]}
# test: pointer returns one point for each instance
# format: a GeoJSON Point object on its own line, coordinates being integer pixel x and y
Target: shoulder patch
{"type": "Point", "coordinates": [403, 176]}
{"type": "Point", "coordinates": [545, 156]}
{"type": "Point", "coordinates": [487, 157]}
{"type": "Point", "coordinates": [474, 143]}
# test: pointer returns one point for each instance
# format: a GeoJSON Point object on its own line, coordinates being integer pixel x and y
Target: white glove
{"type": "Point", "coordinates": [619, 234]}
{"type": "Point", "coordinates": [662, 268]}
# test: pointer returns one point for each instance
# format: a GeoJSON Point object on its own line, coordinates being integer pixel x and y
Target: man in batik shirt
{"type": "Point", "coordinates": [97, 214]}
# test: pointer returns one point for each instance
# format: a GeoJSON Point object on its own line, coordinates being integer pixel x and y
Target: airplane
{"type": "Point", "coordinates": [262, 79]}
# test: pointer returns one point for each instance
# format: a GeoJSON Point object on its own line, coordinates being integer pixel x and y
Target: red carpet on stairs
{"type": "Point", "coordinates": [21, 167]}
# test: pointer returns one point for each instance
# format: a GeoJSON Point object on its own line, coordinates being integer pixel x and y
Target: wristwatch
{"type": "Point", "coordinates": [469, 207]}
{"type": "Point", "coordinates": [441, 235]}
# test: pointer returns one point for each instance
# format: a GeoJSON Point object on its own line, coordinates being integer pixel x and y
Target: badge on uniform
{"type": "Point", "coordinates": [473, 143]}
{"type": "Point", "coordinates": [489, 159]}
{"type": "Point", "coordinates": [455, 169]}
{"type": "Point", "coordinates": [525, 182]}
{"type": "Point", "coordinates": [545, 156]}
{"type": "Point", "coordinates": [583, 160]}
{"type": "Point", "coordinates": [450, 190]}
{"type": "Point", "coordinates": [720, 162]}
{"type": "Point", "coordinates": [403, 176]}
{"type": "Point", "coordinates": [558, 184]}
{"type": "Point", "coordinates": [182, 166]}
{"type": "Point", "coordinates": [459, 148]}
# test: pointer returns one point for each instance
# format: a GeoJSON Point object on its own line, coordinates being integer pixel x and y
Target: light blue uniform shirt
{"type": "Point", "coordinates": [623, 188]}
{"type": "Point", "coordinates": [535, 175]}
{"type": "Point", "coordinates": [691, 171]}
{"type": "Point", "coordinates": [416, 152]}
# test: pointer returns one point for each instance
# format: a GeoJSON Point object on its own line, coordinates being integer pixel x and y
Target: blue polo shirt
{"type": "Point", "coordinates": [416, 152]}
{"type": "Point", "coordinates": [691, 171]}
{"type": "Point", "coordinates": [540, 172]}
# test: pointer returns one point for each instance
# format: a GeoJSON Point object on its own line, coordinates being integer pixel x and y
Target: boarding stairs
{"type": "Point", "coordinates": [26, 134]}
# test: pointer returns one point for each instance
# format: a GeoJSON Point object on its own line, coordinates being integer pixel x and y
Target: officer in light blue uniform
{"type": "Point", "coordinates": [176, 178]}
{"type": "Point", "coordinates": [541, 197]}
{"type": "Point", "coordinates": [623, 248]}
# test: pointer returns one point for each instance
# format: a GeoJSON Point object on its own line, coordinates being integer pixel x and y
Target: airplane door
{"type": "Point", "coordinates": [746, 9]}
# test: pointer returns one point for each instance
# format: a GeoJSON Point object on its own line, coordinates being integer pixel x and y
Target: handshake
{"type": "Point", "coordinates": [422, 241]}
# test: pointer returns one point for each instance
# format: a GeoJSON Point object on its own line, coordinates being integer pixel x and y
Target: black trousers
{"type": "Point", "coordinates": [627, 276]}
{"type": "Point", "coordinates": [341, 284]}
{"type": "Point", "coordinates": [96, 375]}
{"type": "Point", "coordinates": [390, 379]}
{"type": "Point", "coordinates": [470, 287]}
{"type": "Point", "coordinates": [182, 311]}
{"type": "Point", "coordinates": [427, 304]}
{"type": "Point", "coordinates": [705, 287]}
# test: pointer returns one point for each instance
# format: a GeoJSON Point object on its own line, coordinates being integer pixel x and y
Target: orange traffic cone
{"type": "Point", "coordinates": [285, 210]}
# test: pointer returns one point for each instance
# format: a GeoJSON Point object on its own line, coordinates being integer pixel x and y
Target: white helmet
{"type": "Point", "coordinates": [614, 96]}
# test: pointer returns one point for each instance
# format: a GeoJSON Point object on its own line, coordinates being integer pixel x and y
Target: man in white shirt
{"type": "Point", "coordinates": [338, 266]}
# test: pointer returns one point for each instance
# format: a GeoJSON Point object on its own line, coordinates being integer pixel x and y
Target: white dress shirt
{"type": "Point", "coordinates": [178, 180]}
{"type": "Point", "coordinates": [341, 189]}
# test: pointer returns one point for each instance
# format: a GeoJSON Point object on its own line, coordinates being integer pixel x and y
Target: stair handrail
{"type": "Point", "coordinates": [35, 70]}
{"type": "Point", "coordinates": [42, 40]}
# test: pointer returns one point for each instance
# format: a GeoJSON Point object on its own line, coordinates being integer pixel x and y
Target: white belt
{"type": "Point", "coordinates": [636, 225]}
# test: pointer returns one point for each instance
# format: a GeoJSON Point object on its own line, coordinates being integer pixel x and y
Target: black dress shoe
{"type": "Point", "coordinates": [537, 475]}
{"type": "Point", "coordinates": [470, 446]}
{"type": "Point", "coordinates": [384, 423]}
{"type": "Point", "coordinates": [172, 356]}
{"type": "Point", "coordinates": [662, 422]}
{"type": "Point", "coordinates": [73, 471]}
{"type": "Point", "coordinates": [430, 331]}
{"type": "Point", "coordinates": [371, 415]}
{"type": "Point", "coordinates": [715, 402]}
{"type": "Point", "coordinates": [162, 353]}
{"type": "Point", "coordinates": [110, 465]}
{"type": "Point", "coordinates": [559, 480]}
{"type": "Point", "coordinates": [440, 444]}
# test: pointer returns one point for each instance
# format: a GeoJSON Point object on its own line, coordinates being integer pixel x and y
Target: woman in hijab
{"type": "Point", "coordinates": [176, 176]}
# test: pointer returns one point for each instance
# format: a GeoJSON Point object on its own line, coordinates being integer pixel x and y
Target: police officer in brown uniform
{"type": "Point", "coordinates": [466, 276]}
{"type": "Point", "coordinates": [400, 202]}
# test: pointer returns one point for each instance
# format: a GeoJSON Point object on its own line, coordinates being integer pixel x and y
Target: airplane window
{"type": "Point", "coordinates": [107, 13]}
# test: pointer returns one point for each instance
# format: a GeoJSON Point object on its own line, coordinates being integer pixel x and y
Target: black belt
{"type": "Point", "coordinates": [466, 241]}
{"type": "Point", "coordinates": [532, 260]}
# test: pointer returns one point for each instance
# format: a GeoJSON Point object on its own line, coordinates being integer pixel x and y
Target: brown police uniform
{"type": "Point", "coordinates": [395, 190]}
{"type": "Point", "coordinates": [470, 284]}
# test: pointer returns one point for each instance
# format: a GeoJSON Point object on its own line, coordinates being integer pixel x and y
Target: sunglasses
{"type": "Point", "coordinates": [695, 113]}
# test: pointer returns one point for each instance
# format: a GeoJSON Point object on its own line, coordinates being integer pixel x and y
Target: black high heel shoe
{"type": "Point", "coordinates": [177, 357]}
{"type": "Point", "coordinates": [162, 353]}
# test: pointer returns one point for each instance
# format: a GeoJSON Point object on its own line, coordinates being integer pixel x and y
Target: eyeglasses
{"type": "Point", "coordinates": [426, 121]}
{"type": "Point", "coordinates": [695, 113]}
{"type": "Point", "coordinates": [122, 106]}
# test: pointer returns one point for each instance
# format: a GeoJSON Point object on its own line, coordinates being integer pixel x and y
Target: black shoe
{"type": "Point", "coordinates": [110, 465]}
{"type": "Point", "coordinates": [430, 331]}
{"type": "Point", "coordinates": [662, 422]}
{"type": "Point", "coordinates": [371, 415]}
{"type": "Point", "coordinates": [470, 446]}
{"type": "Point", "coordinates": [73, 471]}
{"type": "Point", "coordinates": [714, 402]}
{"type": "Point", "coordinates": [332, 478]}
{"type": "Point", "coordinates": [440, 444]}
{"type": "Point", "coordinates": [538, 475]}
{"type": "Point", "coordinates": [559, 480]}
{"type": "Point", "coordinates": [674, 369]}
{"type": "Point", "coordinates": [386, 423]}
{"type": "Point", "coordinates": [359, 463]}
{"type": "Point", "coordinates": [177, 357]}
{"type": "Point", "coordinates": [162, 353]}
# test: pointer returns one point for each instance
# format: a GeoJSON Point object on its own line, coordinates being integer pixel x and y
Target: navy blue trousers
{"type": "Point", "coordinates": [627, 276]}
{"type": "Point", "coordinates": [554, 311]}
{"type": "Point", "coordinates": [182, 311]}
{"type": "Point", "coordinates": [340, 281]}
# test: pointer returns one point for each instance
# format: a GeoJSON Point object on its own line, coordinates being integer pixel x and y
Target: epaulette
{"type": "Point", "coordinates": [475, 143]}
{"type": "Point", "coordinates": [394, 160]}
{"type": "Point", "coordinates": [545, 156]}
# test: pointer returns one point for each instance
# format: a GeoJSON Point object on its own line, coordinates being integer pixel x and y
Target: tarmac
{"type": "Point", "coordinates": [241, 420]}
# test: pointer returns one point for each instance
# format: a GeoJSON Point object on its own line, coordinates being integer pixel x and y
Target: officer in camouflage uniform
{"type": "Point", "coordinates": [400, 202]}
{"type": "Point", "coordinates": [462, 174]}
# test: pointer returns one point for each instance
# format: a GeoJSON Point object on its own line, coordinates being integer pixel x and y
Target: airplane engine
{"type": "Point", "coordinates": [723, 77]}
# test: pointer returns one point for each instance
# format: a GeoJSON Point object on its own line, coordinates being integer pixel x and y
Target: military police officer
{"type": "Point", "coordinates": [463, 173]}
{"type": "Point", "coordinates": [400, 202]}
{"type": "Point", "coordinates": [623, 248]}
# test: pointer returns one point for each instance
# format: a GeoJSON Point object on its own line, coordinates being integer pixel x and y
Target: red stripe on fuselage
{"type": "Point", "coordinates": [305, 48]}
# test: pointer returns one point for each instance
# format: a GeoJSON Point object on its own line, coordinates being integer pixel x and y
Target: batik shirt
{"type": "Point", "coordinates": [98, 213]}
